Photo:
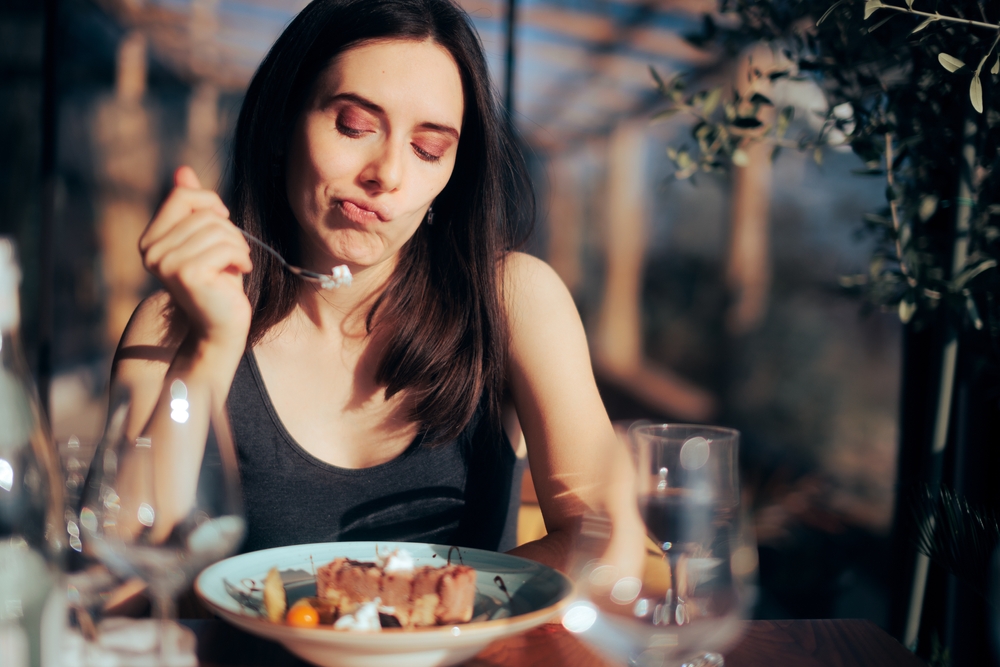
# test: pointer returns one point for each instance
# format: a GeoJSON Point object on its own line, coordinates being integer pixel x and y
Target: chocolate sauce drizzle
{"type": "Point", "coordinates": [459, 551]}
{"type": "Point", "coordinates": [498, 580]}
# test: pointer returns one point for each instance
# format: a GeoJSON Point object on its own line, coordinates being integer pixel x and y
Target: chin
{"type": "Point", "coordinates": [356, 258]}
{"type": "Point", "coordinates": [354, 248]}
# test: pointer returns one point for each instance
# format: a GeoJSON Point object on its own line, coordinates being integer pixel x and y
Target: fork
{"type": "Point", "coordinates": [339, 276]}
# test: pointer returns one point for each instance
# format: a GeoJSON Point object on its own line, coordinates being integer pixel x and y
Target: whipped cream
{"type": "Point", "coordinates": [340, 276]}
{"type": "Point", "coordinates": [365, 619]}
{"type": "Point", "coordinates": [399, 560]}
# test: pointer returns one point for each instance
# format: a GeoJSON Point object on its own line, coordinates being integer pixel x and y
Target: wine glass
{"type": "Point", "coordinates": [673, 591]}
{"type": "Point", "coordinates": [150, 510]}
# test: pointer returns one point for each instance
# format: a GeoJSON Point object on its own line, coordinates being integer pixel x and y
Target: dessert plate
{"type": "Point", "coordinates": [513, 595]}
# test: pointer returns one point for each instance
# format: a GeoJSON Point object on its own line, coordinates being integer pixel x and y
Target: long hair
{"type": "Point", "coordinates": [441, 315]}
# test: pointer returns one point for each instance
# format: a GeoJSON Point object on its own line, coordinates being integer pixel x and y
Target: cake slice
{"type": "Point", "coordinates": [415, 596]}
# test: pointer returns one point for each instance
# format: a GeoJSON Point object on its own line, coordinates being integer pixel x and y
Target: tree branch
{"type": "Point", "coordinates": [894, 210]}
{"type": "Point", "coordinates": [941, 17]}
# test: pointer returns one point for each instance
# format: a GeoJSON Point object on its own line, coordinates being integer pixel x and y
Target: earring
{"type": "Point", "coordinates": [430, 214]}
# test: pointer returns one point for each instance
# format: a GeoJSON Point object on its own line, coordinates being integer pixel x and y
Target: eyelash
{"type": "Point", "coordinates": [349, 131]}
{"type": "Point", "coordinates": [355, 133]}
{"type": "Point", "coordinates": [424, 155]}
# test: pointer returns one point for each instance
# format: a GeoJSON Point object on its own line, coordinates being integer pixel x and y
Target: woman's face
{"type": "Point", "coordinates": [374, 146]}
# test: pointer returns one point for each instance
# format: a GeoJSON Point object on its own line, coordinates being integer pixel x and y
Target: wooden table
{"type": "Point", "coordinates": [827, 643]}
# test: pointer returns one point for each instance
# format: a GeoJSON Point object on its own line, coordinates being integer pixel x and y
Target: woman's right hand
{"type": "Point", "coordinates": [200, 256]}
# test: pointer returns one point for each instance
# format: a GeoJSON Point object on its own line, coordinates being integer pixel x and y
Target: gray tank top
{"type": "Point", "coordinates": [464, 492]}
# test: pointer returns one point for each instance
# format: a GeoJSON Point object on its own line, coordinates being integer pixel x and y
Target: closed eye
{"type": "Point", "coordinates": [424, 155]}
{"type": "Point", "coordinates": [349, 131]}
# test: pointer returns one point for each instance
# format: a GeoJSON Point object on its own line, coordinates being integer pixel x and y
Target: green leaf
{"type": "Point", "coordinates": [875, 267]}
{"type": "Point", "coordinates": [950, 63]}
{"type": "Point", "coordinates": [928, 206]}
{"type": "Point", "coordinates": [970, 305]}
{"type": "Point", "coordinates": [665, 114]}
{"type": "Point", "coordinates": [906, 310]}
{"type": "Point", "coordinates": [976, 93]}
{"type": "Point", "coordinates": [923, 25]}
{"type": "Point", "coordinates": [784, 120]}
{"type": "Point", "coordinates": [740, 158]}
{"type": "Point", "coordinates": [996, 66]}
{"type": "Point", "coordinates": [830, 11]}
{"type": "Point", "coordinates": [880, 23]}
{"type": "Point", "coordinates": [871, 6]}
{"type": "Point", "coordinates": [659, 82]}
{"type": "Point", "coordinates": [712, 101]}
{"type": "Point", "coordinates": [959, 282]}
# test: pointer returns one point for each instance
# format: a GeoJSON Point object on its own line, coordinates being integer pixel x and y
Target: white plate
{"type": "Point", "coordinates": [536, 594]}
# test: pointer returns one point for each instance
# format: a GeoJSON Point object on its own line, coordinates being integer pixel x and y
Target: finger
{"type": "Point", "coordinates": [226, 258]}
{"type": "Point", "coordinates": [181, 233]}
{"type": "Point", "coordinates": [166, 259]}
{"type": "Point", "coordinates": [181, 203]}
{"type": "Point", "coordinates": [186, 177]}
{"type": "Point", "coordinates": [203, 268]}
{"type": "Point", "coordinates": [182, 261]}
{"type": "Point", "coordinates": [207, 252]}
{"type": "Point", "coordinates": [192, 224]}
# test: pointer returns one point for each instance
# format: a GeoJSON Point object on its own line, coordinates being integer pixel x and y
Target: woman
{"type": "Point", "coordinates": [370, 137]}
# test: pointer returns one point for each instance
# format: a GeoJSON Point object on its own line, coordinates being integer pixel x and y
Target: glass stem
{"type": "Point", "coordinates": [163, 606]}
{"type": "Point", "coordinates": [164, 611]}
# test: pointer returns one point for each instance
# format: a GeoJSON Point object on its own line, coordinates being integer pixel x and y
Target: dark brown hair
{"type": "Point", "coordinates": [441, 319]}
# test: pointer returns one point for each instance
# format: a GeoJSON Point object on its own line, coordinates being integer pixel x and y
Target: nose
{"type": "Point", "coordinates": [384, 171]}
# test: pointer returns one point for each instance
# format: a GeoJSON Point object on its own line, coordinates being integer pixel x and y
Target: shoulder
{"type": "Point", "coordinates": [531, 286]}
{"type": "Point", "coordinates": [541, 314]}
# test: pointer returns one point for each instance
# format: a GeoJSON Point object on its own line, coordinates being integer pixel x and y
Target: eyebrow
{"type": "Point", "coordinates": [371, 106]}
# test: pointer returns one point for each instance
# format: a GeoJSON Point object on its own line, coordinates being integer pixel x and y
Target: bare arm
{"type": "Point", "coordinates": [195, 332]}
{"type": "Point", "coordinates": [571, 443]}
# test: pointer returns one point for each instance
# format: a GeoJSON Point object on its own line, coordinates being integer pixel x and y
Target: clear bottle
{"type": "Point", "coordinates": [31, 508]}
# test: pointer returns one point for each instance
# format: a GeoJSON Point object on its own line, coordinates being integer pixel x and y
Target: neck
{"type": "Point", "coordinates": [345, 308]}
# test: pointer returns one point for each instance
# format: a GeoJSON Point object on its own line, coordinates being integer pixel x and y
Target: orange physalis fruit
{"type": "Point", "coordinates": [302, 615]}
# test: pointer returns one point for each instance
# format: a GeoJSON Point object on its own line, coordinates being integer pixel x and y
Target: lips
{"type": "Point", "coordinates": [363, 212]}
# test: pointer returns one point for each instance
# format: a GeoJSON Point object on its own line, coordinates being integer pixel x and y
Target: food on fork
{"type": "Point", "coordinates": [340, 276]}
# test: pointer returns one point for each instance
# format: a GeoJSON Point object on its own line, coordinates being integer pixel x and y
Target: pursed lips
{"type": "Point", "coordinates": [363, 212]}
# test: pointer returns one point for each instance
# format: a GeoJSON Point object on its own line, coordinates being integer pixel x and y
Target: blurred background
{"type": "Point", "coordinates": [706, 299]}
